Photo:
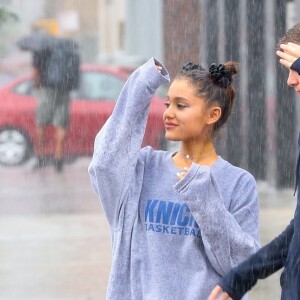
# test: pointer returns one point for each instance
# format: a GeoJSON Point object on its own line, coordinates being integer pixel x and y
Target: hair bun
{"type": "Point", "coordinates": [191, 66]}
{"type": "Point", "coordinates": [220, 75]}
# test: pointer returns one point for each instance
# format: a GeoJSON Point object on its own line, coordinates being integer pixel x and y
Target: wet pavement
{"type": "Point", "coordinates": [54, 238]}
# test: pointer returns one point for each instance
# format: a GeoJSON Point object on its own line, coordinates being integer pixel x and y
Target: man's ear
{"type": "Point", "coordinates": [215, 113]}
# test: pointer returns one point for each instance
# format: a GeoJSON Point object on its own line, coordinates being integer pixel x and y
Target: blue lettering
{"type": "Point", "coordinates": [158, 228]}
{"type": "Point", "coordinates": [150, 210]}
{"type": "Point", "coordinates": [193, 232]}
{"type": "Point", "coordinates": [165, 229]}
{"type": "Point", "coordinates": [175, 213]}
{"type": "Point", "coordinates": [180, 230]}
{"type": "Point", "coordinates": [171, 218]}
{"type": "Point", "coordinates": [151, 227]}
{"type": "Point", "coordinates": [183, 221]}
{"type": "Point", "coordinates": [164, 211]}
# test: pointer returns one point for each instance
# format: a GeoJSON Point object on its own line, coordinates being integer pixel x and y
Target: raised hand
{"type": "Point", "coordinates": [290, 52]}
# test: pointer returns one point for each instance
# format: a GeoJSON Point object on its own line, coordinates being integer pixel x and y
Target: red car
{"type": "Point", "coordinates": [90, 106]}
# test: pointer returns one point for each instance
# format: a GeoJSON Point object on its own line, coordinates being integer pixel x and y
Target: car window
{"type": "Point", "coordinates": [96, 85]}
{"type": "Point", "coordinates": [24, 88]}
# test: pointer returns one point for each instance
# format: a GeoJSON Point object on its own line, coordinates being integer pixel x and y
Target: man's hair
{"type": "Point", "coordinates": [292, 35]}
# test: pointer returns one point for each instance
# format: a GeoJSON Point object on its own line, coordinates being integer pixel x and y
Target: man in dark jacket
{"type": "Point", "coordinates": [56, 73]}
{"type": "Point", "coordinates": [283, 251]}
{"type": "Point", "coordinates": [52, 109]}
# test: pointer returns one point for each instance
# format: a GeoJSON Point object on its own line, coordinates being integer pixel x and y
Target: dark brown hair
{"type": "Point", "coordinates": [292, 35]}
{"type": "Point", "coordinates": [214, 85]}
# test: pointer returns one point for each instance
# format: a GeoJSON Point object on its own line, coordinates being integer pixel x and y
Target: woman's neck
{"type": "Point", "coordinates": [204, 154]}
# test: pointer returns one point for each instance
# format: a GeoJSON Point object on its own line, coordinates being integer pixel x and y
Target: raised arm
{"type": "Point", "coordinates": [118, 143]}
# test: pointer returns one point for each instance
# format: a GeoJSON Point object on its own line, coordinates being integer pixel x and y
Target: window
{"type": "Point", "coordinates": [24, 88]}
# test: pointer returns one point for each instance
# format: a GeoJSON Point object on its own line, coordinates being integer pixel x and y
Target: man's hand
{"type": "Point", "coordinates": [218, 294]}
{"type": "Point", "coordinates": [290, 52]}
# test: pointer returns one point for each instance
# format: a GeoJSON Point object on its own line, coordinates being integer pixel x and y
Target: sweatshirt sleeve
{"type": "Point", "coordinates": [117, 145]}
{"type": "Point", "coordinates": [227, 242]}
{"type": "Point", "coordinates": [260, 265]}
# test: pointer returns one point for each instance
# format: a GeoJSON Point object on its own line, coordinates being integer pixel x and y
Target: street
{"type": "Point", "coordinates": [54, 238]}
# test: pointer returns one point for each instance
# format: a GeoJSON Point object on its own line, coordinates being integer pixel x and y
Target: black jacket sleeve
{"type": "Point", "coordinates": [296, 66]}
{"type": "Point", "coordinates": [261, 264]}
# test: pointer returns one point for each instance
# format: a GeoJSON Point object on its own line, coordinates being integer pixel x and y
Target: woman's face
{"type": "Point", "coordinates": [187, 117]}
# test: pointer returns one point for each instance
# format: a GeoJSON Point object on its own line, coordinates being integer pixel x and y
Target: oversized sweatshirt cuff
{"type": "Point", "coordinates": [296, 66]}
{"type": "Point", "coordinates": [151, 76]}
{"type": "Point", "coordinates": [194, 171]}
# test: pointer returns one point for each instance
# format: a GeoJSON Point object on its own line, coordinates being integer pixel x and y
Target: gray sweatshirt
{"type": "Point", "coordinates": [171, 239]}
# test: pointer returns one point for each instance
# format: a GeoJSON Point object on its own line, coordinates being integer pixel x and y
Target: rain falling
{"type": "Point", "coordinates": [63, 65]}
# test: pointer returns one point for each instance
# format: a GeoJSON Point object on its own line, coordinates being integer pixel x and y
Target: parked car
{"type": "Point", "coordinates": [90, 106]}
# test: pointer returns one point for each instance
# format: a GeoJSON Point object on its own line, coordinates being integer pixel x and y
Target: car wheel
{"type": "Point", "coordinates": [15, 147]}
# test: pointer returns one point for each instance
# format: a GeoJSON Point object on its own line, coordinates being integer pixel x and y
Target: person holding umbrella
{"type": "Point", "coordinates": [52, 58]}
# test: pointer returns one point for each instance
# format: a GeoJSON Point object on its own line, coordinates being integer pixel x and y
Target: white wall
{"type": "Point", "coordinates": [111, 18]}
{"type": "Point", "coordinates": [144, 29]}
{"type": "Point", "coordinates": [130, 31]}
{"type": "Point", "coordinates": [28, 11]}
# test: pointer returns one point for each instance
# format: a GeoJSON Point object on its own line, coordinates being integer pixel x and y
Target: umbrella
{"type": "Point", "coordinates": [37, 42]}
{"type": "Point", "coordinates": [40, 41]}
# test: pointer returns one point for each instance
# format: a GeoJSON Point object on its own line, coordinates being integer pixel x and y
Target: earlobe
{"type": "Point", "coordinates": [214, 115]}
